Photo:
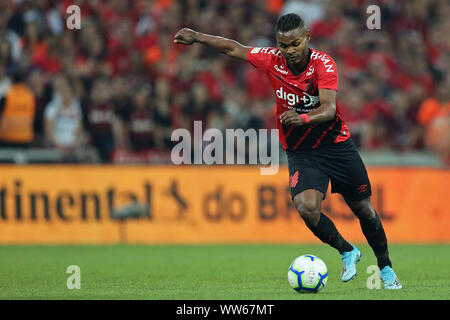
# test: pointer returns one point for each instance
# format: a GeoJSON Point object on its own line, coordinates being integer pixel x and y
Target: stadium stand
{"type": "Point", "coordinates": [127, 86]}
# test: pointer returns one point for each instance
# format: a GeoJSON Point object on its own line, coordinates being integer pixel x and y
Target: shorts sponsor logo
{"type": "Point", "coordinates": [362, 188]}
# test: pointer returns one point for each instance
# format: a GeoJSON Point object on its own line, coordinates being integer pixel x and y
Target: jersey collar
{"type": "Point", "coordinates": [296, 74]}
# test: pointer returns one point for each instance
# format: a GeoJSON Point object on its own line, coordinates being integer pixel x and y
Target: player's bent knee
{"type": "Point", "coordinates": [362, 209]}
{"type": "Point", "coordinates": [309, 209]}
{"type": "Point", "coordinates": [366, 213]}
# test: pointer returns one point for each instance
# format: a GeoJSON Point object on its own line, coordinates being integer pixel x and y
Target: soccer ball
{"type": "Point", "coordinates": [307, 273]}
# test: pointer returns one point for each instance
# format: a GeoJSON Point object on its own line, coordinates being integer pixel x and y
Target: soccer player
{"type": "Point", "coordinates": [314, 136]}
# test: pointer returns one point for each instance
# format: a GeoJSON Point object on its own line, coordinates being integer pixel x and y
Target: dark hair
{"type": "Point", "coordinates": [289, 22]}
{"type": "Point", "coordinates": [17, 76]}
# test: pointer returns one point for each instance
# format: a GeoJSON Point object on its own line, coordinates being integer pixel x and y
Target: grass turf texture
{"type": "Point", "coordinates": [209, 272]}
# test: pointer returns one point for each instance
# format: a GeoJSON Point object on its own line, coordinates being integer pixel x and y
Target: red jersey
{"type": "Point", "coordinates": [301, 93]}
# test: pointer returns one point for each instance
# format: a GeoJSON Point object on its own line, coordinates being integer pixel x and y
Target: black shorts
{"type": "Point", "coordinates": [339, 163]}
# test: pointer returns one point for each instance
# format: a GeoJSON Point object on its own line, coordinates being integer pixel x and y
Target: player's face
{"type": "Point", "coordinates": [293, 45]}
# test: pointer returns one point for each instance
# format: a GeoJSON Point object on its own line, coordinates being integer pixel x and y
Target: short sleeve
{"type": "Point", "coordinates": [260, 57]}
{"type": "Point", "coordinates": [327, 75]}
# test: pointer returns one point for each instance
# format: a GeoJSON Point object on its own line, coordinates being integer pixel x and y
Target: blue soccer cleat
{"type": "Point", "coordinates": [349, 260]}
{"type": "Point", "coordinates": [390, 279]}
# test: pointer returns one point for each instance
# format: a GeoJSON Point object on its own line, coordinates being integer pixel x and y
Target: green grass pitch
{"type": "Point", "coordinates": [198, 272]}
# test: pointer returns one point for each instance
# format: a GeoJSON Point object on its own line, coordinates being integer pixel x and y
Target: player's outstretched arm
{"type": "Point", "coordinates": [229, 47]}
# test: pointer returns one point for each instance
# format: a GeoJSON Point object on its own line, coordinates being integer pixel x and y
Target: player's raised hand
{"type": "Point", "coordinates": [291, 117]}
{"type": "Point", "coordinates": [185, 36]}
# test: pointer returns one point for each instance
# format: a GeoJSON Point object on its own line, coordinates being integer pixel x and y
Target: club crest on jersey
{"type": "Point", "coordinates": [310, 71]}
{"type": "Point", "coordinates": [293, 99]}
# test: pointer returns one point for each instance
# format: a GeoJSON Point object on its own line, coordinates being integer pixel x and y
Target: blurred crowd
{"type": "Point", "coordinates": [114, 90]}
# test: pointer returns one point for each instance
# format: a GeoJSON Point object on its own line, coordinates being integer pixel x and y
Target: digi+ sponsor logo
{"type": "Point", "coordinates": [293, 99]}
